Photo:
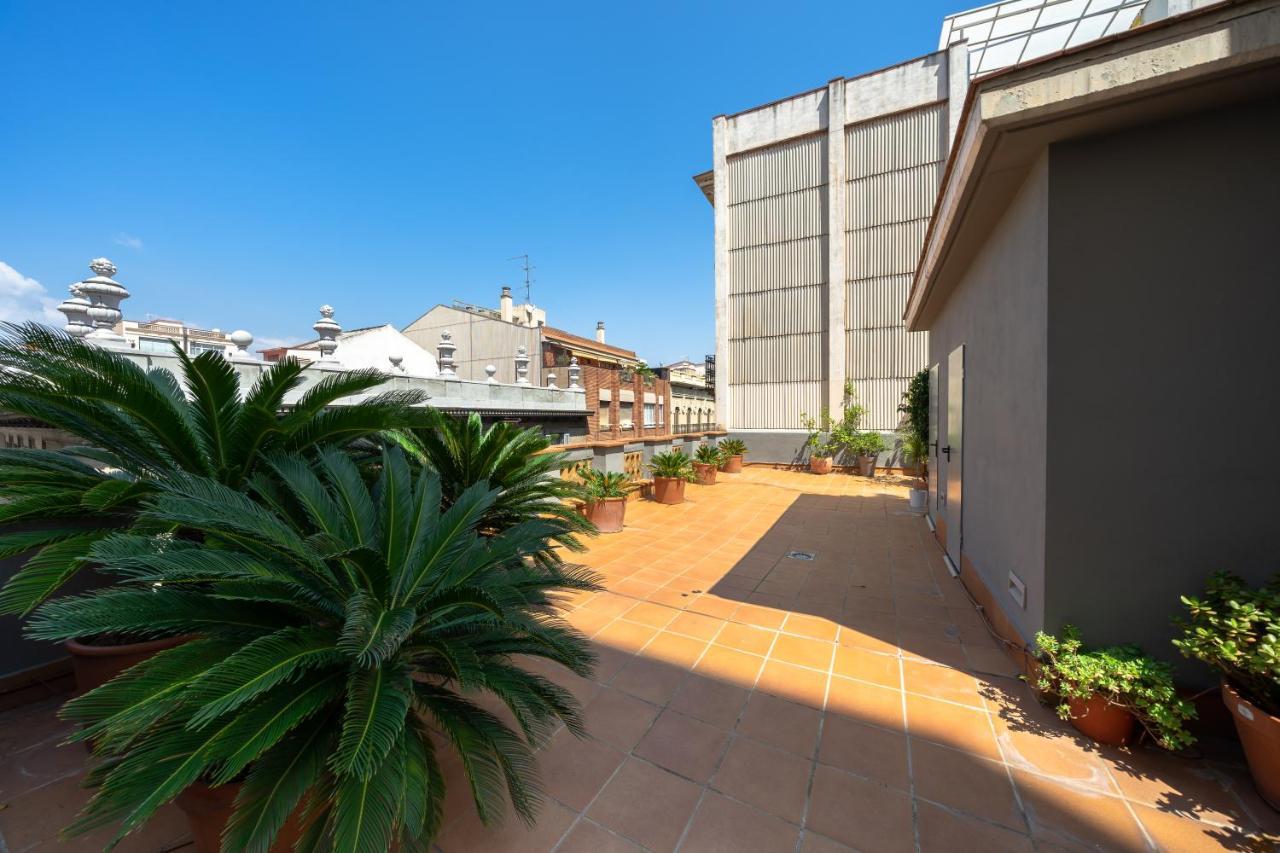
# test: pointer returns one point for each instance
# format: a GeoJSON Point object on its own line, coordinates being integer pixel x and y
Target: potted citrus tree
{"type": "Point", "coordinates": [866, 447]}
{"type": "Point", "coordinates": [1107, 693]}
{"type": "Point", "coordinates": [605, 497]}
{"type": "Point", "coordinates": [671, 470]}
{"type": "Point", "coordinates": [820, 452]}
{"type": "Point", "coordinates": [733, 449]}
{"type": "Point", "coordinates": [349, 635]}
{"type": "Point", "coordinates": [706, 459]}
{"type": "Point", "coordinates": [1236, 629]}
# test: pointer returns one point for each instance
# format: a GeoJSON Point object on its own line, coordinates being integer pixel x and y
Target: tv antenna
{"type": "Point", "coordinates": [528, 282]}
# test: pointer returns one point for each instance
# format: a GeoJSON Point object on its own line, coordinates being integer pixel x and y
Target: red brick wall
{"type": "Point", "coordinates": [596, 376]}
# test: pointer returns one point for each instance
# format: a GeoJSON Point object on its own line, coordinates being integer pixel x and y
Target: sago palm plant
{"type": "Point", "coordinates": [672, 463]}
{"type": "Point", "coordinates": [142, 426]}
{"type": "Point", "coordinates": [344, 635]}
{"type": "Point", "coordinates": [513, 460]}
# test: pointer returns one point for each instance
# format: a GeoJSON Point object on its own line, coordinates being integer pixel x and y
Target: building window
{"type": "Point", "coordinates": [157, 345]}
{"type": "Point", "coordinates": [625, 410]}
{"type": "Point", "coordinates": [602, 418]}
{"type": "Point", "coordinates": [662, 414]}
{"type": "Point", "coordinates": [650, 414]}
{"type": "Point", "coordinates": [196, 348]}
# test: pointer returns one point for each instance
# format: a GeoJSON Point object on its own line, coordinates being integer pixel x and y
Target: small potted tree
{"type": "Point", "coordinates": [1106, 693]}
{"type": "Point", "coordinates": [866, 448]}
{"type": "Point", "coordinates": [820, 452]}
{"type": "Point", "coordinates": [706, 460]}
{"type": "Point", "coordinates": [1236, 629]}
{"type": "Point", "coordinates": [671, 470]}
{"type": "Point", "coordinates": [915, 448]}
{"type": "Point", "coordinates": [733, 449]}
{"type": "Point", "coordinates": [605, 497]}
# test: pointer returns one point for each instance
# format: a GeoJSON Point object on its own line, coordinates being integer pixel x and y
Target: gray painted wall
{"type": "Point", "coordinates": [1162, 344]}
{"type": "Point", "coordinates": [481, 340]}
{"type": "Point", "coordinates": [998, 312]}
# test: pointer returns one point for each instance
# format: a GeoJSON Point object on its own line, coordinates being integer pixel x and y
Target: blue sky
{"type": "Point", "coordinates": [244, 163]}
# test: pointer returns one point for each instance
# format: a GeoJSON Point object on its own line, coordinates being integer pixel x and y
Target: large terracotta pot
{"type": "Point", "coordinates": [208, 810]}
{"type": "Point", "coordinates": [95, 664]}
{"type": "Point", "coordinates": [867, 465]}
{"type": "Point", "coordinates": [732, 465]}
{"type": "Point", "coordinates": [1101, 720]}
{"type": "Point", "coordinates": [1260, 736]}
{"type": "Point", "coordinates": [606, 513]}
{"type": "Point", "coordinates": [668, 490]}
{"type": "Point", "coordinates": [820, 464]}
{"type": "Point", "coordinates": [706, 473]}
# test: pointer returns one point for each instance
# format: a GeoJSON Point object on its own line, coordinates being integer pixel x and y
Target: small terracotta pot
{"type": "Point", "coordinates": [606, 513]}
{"type": "Point", "coordinates": [1101, 720]}
{"type": "Point", "coordinates": [668, 490]}
{"type": "Point", "coordinates": [867, 466]}
{"type": "Point", "coordinates": [820, 464]}
{"type": "Point", "coordinates": [732, 465]}
{"type": "Point", "coordinates": [208, 810]}
{"type": "Point", "coordinates": [96, 664]}
{"type": "Point", "coordinates": [1260, 736]}
{"type": "Point", "coordinates": [706, 473]}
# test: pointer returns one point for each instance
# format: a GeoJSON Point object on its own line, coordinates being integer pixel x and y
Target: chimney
{"type": "Point", "coordinates": [504, 304]}
{"type": "Point", "coordinates": [600, 332]}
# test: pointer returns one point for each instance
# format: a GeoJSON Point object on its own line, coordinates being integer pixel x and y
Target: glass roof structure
{"type": "Point", "coordinates": [1014, 31]}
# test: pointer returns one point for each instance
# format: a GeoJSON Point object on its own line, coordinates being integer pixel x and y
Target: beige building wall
{"type": "Point", "coordinates": [481, 339]}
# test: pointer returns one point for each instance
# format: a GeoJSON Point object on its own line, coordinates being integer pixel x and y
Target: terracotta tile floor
{"type": "Point", "coordinates": [749, 701]}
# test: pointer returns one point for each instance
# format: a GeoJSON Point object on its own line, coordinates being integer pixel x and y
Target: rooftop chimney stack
{"type": "Point", "coordinates": [504, 304]}
{"type": "Point", "coordinates": [600, 332]}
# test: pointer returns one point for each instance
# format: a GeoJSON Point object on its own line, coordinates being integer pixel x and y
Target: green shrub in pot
{"type": "Point", "coordinates": [733, 447]}
{"type": "Point", "coordinates": [708, 454]}
{"type": "Point", "coordinates": [672, 464]}
{"type": "Point", "coordinates": [345, 632]}
{"type": "Point", "coordinates": [1122, 676]}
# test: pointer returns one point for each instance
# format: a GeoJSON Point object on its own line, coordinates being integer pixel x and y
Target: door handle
{"type": "Point", "coordinates": [947, 450]}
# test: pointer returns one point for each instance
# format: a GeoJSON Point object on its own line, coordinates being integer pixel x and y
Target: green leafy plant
{"type": "Point", "coordinates": [143, 426]}
{"type": "Point", "coordinates": [597, 485]}
{"type": "Point", "coordinates": [818, 448]}
{"type": "Point", "coordinates": [645, 372]}
{"type": "Point", "coordinates": [672, 463]}
{"type": "Point", "coordinates": [345, 635]}
{"type": "Point", "coordinates": [1236, 629]}
{"type": "Point", "coordinates": [866, 443]}
{"type": "Point", "coordinates": [915, 448]}
{"type": "Point", "coordinates": [915, 426]}
{"type": "Point", "coordinates": [707, 454]}
{"type": "Point", "coordinates": [515, 461]}
{"type": "Point", "coordinates": [845, 429]}
{"type": "Point", "coordinates": [732, 447]}
{"type": "Point", "coordinates": [1123, 676]}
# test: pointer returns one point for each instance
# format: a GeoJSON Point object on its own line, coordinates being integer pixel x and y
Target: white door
{"type": "Point", "coordinates": [953, 452]}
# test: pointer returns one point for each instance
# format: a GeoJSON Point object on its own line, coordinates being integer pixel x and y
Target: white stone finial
{"type": "Point", "coordinates": [551, 381]}
{"type": "Point", "coordinates": [396, 358]}
{"type": "Point", "coordinates": [105, 296]}
{"type": "Point", "coordinates": [575, 372]}
{"type": "Point", "coordinates": [490, 373]}
{"type": "Point", "coordinates": [328, 330]}
{"type": "Point", "coordinates": [76, 309]}
{"type": "Point", "coordinates": [444, 355]}
{"type": "Point", "coordinates": [241, 339]}
{"type": "Point", "coordinates": [522, 365]}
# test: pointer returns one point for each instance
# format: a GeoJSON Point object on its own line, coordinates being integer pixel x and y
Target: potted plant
{"type": "Point", "coordinates": [671, 470]}
{"type": "Point", "coordinates": [914, 409]}
{"type": "Point", "coordinates": [706, 459]}
{"type": "Point", "coordinates": [1236, 629]}
{"type": "Point", "coordinates": [914, 447]}
{"type": "Point", "coordinates": [733, 449]}
{"type": "Point", "coordinates": [141, 427]}
{"type": "Point", "coordinates": [1106, 693]}
{"type": "Point", "coordinates": [866, 448]}
{"type": "Point", "coordinates": [820, 452]}
{"type": "Point", "coordinates": [605, 497]}
{"type": "Point", "coordinates": [348, 633]}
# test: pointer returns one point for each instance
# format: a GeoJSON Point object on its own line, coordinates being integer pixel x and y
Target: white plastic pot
{"type": "Point", "coordinates": [918, 498]}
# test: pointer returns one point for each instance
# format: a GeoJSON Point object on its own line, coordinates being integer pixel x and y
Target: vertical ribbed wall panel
{"type": "Point", "coordinates": [775, 405]}
{"type": "Point", "coordinates": [894, 165]}
{"type": "Point", "coordinates": [778, 249]}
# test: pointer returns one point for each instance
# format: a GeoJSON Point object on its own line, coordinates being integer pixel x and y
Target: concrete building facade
{"type": "Point", "coordinates": [1099, 273]}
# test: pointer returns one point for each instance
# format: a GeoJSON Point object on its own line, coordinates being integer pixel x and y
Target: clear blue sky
{"type": "Point", "coordinates": [244, 163]}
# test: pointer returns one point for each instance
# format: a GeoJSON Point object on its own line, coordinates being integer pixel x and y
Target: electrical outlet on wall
{"type": "Point", "coordinates": [1018, 590]}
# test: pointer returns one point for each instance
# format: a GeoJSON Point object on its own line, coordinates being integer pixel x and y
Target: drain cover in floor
{"type": "Point", "coordinates": [800, 555]}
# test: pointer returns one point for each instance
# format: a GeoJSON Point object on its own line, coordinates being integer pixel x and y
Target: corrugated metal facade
{"type": "Point", "coordinates": [893, 167]}
{"type": "Point", "coordinates": [777, 239]}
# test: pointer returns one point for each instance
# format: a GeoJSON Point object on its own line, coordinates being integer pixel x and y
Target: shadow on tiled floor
{"type": "Point", "coordinates": [748, 701]}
